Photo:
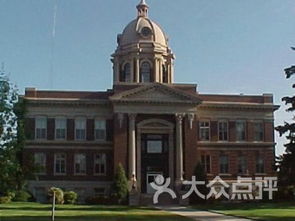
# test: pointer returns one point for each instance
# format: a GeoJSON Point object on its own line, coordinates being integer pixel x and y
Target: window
{"type": "Point", "coordinates": [60, 163]}
{"type": "Point", "coordinates": [80, 163]}
{"type": "Point", "coordinates": [241, 130]}
{"type": "Point", "coordinates": [100, 164]}
{"type": "Point", "coordinates": [259, 164]}
{"type": "Point", "coordinates": [145, 72]}
{"type": "Point", "coordinates": [41, 128]}
{"type": "Point", "coordinates": [206, 163]}
{"type": "Point", "coordinates": [205, 130]}
{"type": "Point", "coordinates": [80, 129]}
{"type": "Point", "coordinates": [60, 128]}
{"type": "Point", "coordinates": [100, 130]}
{"type": "Point", "coordinates": [40, 162]}
{"type": "Point", "coordinates": [242, 165]}
{"type": "Point", "coordinates": [258, 131]}
{"type": "Point", "coordinates": [223, 164]}
{"type": "Point", "coordinates": [223, 130]}
{"type": "Point", "coordinates": [165, 74]}
{"type": "Point", "coordinates": [126, 73]}
{"type": "Point", "coordinates": [154, 146]}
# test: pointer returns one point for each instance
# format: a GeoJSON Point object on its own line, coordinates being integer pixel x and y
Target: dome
{"type": "Point", "coordinates": [142, 29]}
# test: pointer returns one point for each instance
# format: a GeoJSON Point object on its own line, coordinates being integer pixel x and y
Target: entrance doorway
{"type": "Point", "coordinates": [154, 159]}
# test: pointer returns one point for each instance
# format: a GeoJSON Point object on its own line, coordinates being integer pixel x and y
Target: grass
{"type": "Point", "coordinates": [41, 212]}
{"type": "Point", "coordinates": [259, 211]}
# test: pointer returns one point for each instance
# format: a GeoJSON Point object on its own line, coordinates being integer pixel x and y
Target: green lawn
{"type": "Point", "coordinates": [259, 211]}
{"type": "Point", "coordinates": [41, 212]}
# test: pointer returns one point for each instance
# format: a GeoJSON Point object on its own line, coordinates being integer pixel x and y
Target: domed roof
{"type": "Point", "coordinates": [143, 29]}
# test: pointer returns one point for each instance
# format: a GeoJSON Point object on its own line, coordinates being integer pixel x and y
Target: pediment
{"type": "Point", "coordinates": [156, 93]}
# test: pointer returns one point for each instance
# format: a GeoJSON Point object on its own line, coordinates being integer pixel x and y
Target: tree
{"type": "Point", "coordinates": [12, 138]}
{"type": "Point", "coordinates": [200, 174]}
{"type": "Point", "coordinates": [120, 184]}
{"type": "Point", "coordinates": [286, 162]}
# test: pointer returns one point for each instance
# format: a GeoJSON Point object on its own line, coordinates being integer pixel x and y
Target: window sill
{"type": "Point", "coordinates": [97, 174]}
{"type": "Point", "coordinates": [59, 174]}
{"type": "Point", "coordinates": [80, 174]}
{"type": "Point", "coordinates": [224, 174]}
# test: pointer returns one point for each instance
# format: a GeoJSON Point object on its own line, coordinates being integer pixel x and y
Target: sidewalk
{"type": "Point", "coordinates": [200, 215]}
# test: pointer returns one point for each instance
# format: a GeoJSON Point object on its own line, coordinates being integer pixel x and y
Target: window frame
{"type": "Point", "coordinates": [65, 164]}
{"type": "Point", "coordinates": [85, 128]}
{"type": "Point", "coordinates": [95, 129]}
{"type": "Point", "coordinates": [257, 165]}
{"type": "Point", "coordinates": [43, 164]}
{"type": "Point", "coordinates": [206, 165]}
{"type": "Point", "coordinates": [255, 123]}
{"type": "Point", "coordinates": [103, 163]}
{"type": "Point", "coordinates": [141, 71]}
{"type": "Point", "coordinates": [223, 139]}
{"type": "Point", "coordinates": [245, 130]}
{"type": "Point", "coordinates": [45, 118]}
{"type": "Point", "coordinates": [240, 165]}
{"type": "Point", "coordinates": [75, 164]}
{"type": "Point", "coordinates": [221, 164]}
{"type": "Point", "coordinates": [65, 128]}
{"type": "Point", "coordinates": [203, 128]}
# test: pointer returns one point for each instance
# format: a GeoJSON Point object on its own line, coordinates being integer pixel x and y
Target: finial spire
{"type": "Point", "coordinates": [142, 9]}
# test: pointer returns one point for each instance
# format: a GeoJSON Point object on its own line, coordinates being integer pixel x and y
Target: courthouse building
{"type": "Point", "coordinates": [146, 122]}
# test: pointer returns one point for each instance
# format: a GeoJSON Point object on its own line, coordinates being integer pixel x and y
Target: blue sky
{"type": "Point", "coordinates": [225, 46]}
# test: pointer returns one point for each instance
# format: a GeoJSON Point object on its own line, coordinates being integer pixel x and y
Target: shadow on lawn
{"type": "Point", "coordinates": [131, 217]}
{"type": "Point", "coordinates": [75, 208]}
{"type": "Point", "coordinates": [247, 206]}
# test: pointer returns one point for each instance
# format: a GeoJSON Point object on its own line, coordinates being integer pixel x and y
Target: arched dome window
{"type": "Point", "coordinates": [145, 72]}
{"type": "Point", "coordinates": [126, 73]}
{"type": "Point", "coordinates": [164, 74]}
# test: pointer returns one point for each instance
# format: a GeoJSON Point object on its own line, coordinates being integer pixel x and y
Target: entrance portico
{"type": "Point", "coordinates": [156, 115]}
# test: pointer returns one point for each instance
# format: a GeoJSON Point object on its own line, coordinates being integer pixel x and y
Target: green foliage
{"type": "Point", "coordinates": [286, 162]}
{"type": "Point", "coordinates": [70, 197]}
{"type": "Point", "coordinates": [59, 195]}
{"type": "Point", "coordinates": [120, 184]}
{"type": "Point", "coordinates": [5, 199]}
{"type": "Point", "coordinates": [12, 110]}
{"type": "Point", "coordinates": [22, 196]}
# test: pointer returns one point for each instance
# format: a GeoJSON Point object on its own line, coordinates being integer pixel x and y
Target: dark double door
{"type": "Point", "coordinates": [154, 159]}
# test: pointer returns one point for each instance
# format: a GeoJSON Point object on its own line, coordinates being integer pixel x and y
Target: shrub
{"type": "Point", "coordinates": [120, 185]}
{"type": "Point", "coordinates": [59, 195]}
{"type": "Point", "coordinates": [21, 196]}
{"type": "Point", "coordinates": [70, 197]}
{"type": "Point", "coordinates": [5, 199]}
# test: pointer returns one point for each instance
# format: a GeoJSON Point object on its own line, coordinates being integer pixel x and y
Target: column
{"type": "Point", "coordinates": [132, 146]}
{"type": "Point", "coordinates": [137, 77]}
{"type": "Point", "coordinates": [179, 148]}
{"type": "Point", "coordinates": [117, 70]}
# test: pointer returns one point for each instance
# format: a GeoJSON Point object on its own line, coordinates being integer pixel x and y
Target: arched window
{"type": "Point", "coordinates": [145, 72]}
{"type": "Point", "coordinates": [126, 73]}
{"type": "Point", "coordinates": [164, 74]}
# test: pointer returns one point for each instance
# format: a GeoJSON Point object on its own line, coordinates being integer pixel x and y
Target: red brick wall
{"type": "Point", "coordinates": [120, 142]}
{"type": "Point", "coordinates": [50, 128]}
{"type": "Point", "coordinates": [190, 148]}
{"type": "Point", "coordinates": [70, 129]}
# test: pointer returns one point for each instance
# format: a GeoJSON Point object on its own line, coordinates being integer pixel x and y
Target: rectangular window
{"type": "Point", "coordinates": [100, 164]}
{"type": "Point", "coordinates": [258, 131]}
{"type": "Point", "coordinates": [60, 128]}
{"type": "Point", "coordinates": [154, 146]}
{"type": "Point", "coordinates": [206, 163]}
{"type": "Point", "coordinates": [40, 162]}
{"type": "Point", "coordinates": [242, 165]}
{"type": "Point", "coordinates": [241, 130]}
{"type": "Point", "coordinates": [80, 163]}
{"type": "Point", "coordinates": [80, 129]}
{"type": "Point", "coordinates": [41, 128]}
{"type": "Point", "coordinates": [223, 164]}
{"type": "Point", "coordinates": [60, 164]}
{"type": "Point", "coordinates": [100, 130]}
{"type": "Point", "coordinates": [205, 130]}
{"type": "Point", "coordinates": [259, 165]}
{"type": "Point", "coordinates": [223, 130]}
